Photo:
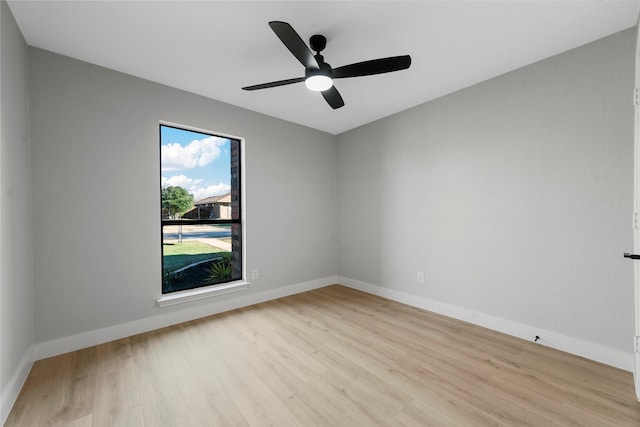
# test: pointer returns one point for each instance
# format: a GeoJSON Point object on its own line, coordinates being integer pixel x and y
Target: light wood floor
{"type": "Point", "coordinates": [329, 357]}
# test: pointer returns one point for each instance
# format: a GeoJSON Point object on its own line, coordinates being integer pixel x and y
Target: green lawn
{"type": "Point", "coordinates": [176, 256]}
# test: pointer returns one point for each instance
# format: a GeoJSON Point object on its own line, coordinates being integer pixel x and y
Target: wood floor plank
{"type": "Point", "coordinates": [63, 387]}
{"type": "Point", "coordinates": [329, 357]}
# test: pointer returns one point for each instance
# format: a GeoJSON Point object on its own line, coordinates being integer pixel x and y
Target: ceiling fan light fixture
{"type": "Point", "coordinates": [318, 82]}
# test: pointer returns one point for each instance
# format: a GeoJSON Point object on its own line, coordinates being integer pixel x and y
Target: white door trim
{"type": "Point", "coordinates": [636, 213]}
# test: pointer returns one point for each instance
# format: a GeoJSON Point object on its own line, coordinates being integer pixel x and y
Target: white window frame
{"type": "Point", "coordinates": [188, 295]}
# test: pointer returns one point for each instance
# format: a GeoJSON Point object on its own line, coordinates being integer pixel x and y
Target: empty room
{"type": "Point", "coordinates": [311, 213]}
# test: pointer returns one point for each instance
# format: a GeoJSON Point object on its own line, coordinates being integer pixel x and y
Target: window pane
{"type": "Point", "coordinates": [195, 255]}
{"type": "Point", "coordinates": [200, 184]}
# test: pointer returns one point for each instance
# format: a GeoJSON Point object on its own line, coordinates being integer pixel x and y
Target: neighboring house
{"type": "Point", "coordinates": [215, 207]}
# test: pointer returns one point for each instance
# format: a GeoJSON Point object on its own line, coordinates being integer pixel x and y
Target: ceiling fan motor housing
{"type": "Point", "coordinates": [324, 70]}
{"type": "Point", "coordinates": [317, 43]}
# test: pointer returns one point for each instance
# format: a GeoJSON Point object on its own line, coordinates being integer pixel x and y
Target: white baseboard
{"type": "Point", "coordinates": [123, 330]}
{"type": "Point", "coordinates": [589, 350]}
{"type": "Point", "coordinates": [636, 382]}
{"type": "Point", "coordinates": [11, 392]}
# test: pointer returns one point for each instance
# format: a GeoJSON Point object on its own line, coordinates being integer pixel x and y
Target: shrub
{"type": "Point", "coordinates": [171, 278]}
{"type": "Point", "coordinates": [220, 270]}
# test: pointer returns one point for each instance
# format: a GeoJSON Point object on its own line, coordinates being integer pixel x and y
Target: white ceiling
{"type": "Point", "coordinates": [213, 48]}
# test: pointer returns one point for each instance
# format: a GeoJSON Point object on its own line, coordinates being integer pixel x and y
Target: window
{"type": "Point", "coordinates": [200, 209]}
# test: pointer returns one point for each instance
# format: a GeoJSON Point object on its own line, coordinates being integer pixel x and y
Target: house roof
{"type": "Point", "coordinates": [223, 198]}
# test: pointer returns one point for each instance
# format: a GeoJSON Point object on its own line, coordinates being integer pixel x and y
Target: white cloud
{"type": "Point", "coordinates": [211, 190]}
{"type": "Point", "coordinates": [180, 181]}
{"type": "Point", "coordinates": [193, 186]}
{"type": "Point", "coordinates": [197, 153]}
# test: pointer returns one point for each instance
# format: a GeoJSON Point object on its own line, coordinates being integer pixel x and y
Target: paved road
{"type": "Point", "coordinates": [205, 231]}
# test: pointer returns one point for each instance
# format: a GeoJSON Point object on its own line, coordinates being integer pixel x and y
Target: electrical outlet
{"type": "Point", "coordinates": [255, 274]}
{"type": "Point", "coordinates": [420, 277]}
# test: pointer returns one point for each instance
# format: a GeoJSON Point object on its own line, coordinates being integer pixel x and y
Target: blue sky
{"type": "Point", "coordinates": [198, 162]}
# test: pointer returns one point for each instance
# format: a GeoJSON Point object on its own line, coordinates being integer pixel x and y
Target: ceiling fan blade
{"type": "Point", "coordinates": [275, 84]}
{"type": "Point", "coordinates": [374, 66]}
{"type": "Point", "coordinates": [294, 43]}
{"type": "Point", "coordinates": [333, 98]}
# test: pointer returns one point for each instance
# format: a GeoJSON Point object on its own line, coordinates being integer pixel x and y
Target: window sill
{"type": "Point", "coordinates": [201, 293]}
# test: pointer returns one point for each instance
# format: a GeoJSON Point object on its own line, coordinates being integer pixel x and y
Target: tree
{"type": "Point", "coordinates": [176, 200]}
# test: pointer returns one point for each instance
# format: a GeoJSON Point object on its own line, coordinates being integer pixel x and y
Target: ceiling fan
{"type": "Point", "coordinates": [318, 74]}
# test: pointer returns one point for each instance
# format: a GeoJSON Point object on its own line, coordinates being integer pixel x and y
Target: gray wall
{"type": "Point", "coordinates": [16, 284]}
{"type": "Point", "coordinates": [514, 196]}
{"type": "Point", "coordinates": [96, 183]}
